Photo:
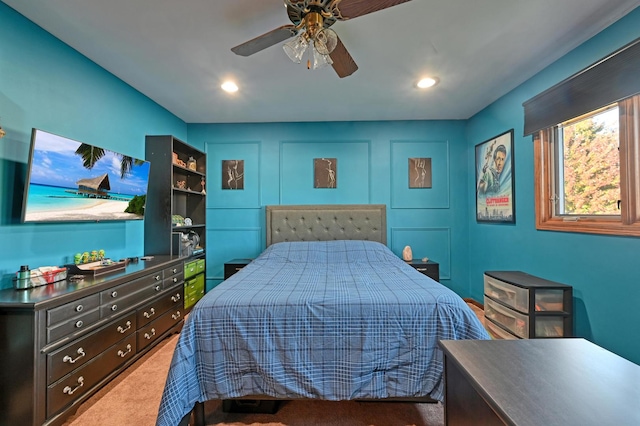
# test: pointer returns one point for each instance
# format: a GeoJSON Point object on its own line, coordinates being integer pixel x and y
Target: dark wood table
{"type": "Point", "coordinates": [538, 382]}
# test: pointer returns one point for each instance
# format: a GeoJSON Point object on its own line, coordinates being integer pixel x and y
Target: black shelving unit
{"type": "Point", "coordinates": [177, 186]}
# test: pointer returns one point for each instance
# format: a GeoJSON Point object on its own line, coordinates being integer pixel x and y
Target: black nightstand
{"type": "Point", "coordinates": [233, 266]}
{"type": "Point", "coordinates": [428, 268]}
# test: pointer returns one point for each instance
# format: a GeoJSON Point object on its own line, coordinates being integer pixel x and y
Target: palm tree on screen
{"type": "Point", "coordinates": [91, 154]}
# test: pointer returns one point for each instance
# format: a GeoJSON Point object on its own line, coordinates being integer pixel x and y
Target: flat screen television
{"type": "Point", "coordinates": [71, 181]}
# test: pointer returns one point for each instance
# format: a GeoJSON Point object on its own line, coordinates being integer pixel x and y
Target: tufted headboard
{"type": "Point", "coordinates": [327, 222]}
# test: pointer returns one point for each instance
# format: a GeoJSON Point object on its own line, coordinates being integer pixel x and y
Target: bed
{"type": "Point", "coordinates": [326, 311]}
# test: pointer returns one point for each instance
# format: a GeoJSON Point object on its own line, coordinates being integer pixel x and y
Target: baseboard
{"type": "Point", "coordinates": [473, 302]}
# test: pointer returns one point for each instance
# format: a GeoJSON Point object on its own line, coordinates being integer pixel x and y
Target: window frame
{"type": "Point", "coordinates": [628, 223]}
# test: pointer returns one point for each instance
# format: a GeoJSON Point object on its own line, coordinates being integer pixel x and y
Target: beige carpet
{"type": "Point", "coordinates": [134, 396]}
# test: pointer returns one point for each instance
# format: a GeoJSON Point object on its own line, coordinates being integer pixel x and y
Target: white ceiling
{"type": "Point", "coordinates": [177, 52]}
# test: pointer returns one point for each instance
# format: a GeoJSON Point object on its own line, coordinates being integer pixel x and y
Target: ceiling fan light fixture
{"type": "Point", "coordinates": [229, 87]}
{"type": "Point", "coordinates": [296, 47]}
{"type": "Point", "coordinates": [427, 82]}
{"type": "Point", "coordinates": [326, 41]}
{"type": "Point", "coordinates": [320, 60]}
{"type": "Point", "coordinates": [310, 22]}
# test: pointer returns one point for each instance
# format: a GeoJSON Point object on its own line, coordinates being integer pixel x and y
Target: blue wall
{"type": "Point", "coordinates": [603, 270]}
{"type": "Point", "coordinates": [47, 85]}
{"type": "Point", "coordinates": [372, 160]}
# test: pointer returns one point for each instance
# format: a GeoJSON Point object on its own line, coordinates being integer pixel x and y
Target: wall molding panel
{"type": "Point", "coordinates": [353, 183]}
{"type": "Point", "coordinates": [250, 196]}
{"type": "Point", "coordinates": [403, 197]}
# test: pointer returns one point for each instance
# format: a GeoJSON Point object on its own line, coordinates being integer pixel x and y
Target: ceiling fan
{"type": "Point", "coordinates": [311, 20]}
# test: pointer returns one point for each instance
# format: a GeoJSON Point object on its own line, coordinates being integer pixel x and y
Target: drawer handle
{"type": "Point", "coordinates": [175, 298]}
{"type": "Point", "coordinates": [175, 270]}
{"type": "Point", "coordinates": [122, 353]}
{"type": "Point", "coordinates": [149, 336]}
{"type": "Point", "coordinates": [79, 308]}
{"type": "Point", "coordinates": [79, 323]}
{"type": "Point", "coordinates": [176, 315]}
{"type": "Point", "coordinates": [69, 390]}
{"type": "Point", "coordinates": [157, 277]}
{"type": "Point", "coordinates": [421, 269]}
{"type": "Point", "coordinates": [122, 329]}
{"type": "Point", "coordinates": [175, 279]}
{"type": "Point", "coordinates": [70, 360]}
{"type": "Point", "coordinates": [114, 294]}
{"type": "Point", "coordinates": [158, 288]}
{"type": "Point", "coordinates": [149, 315]}
{"type": "Point", "coordinates": [114, 308]}
{"type": "Point", "coordinates": [238, 268]}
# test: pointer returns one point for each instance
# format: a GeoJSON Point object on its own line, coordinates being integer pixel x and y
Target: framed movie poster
{"type": "Point", "coordinates": [495, 187]}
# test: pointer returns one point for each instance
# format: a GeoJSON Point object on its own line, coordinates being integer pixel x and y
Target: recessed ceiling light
{"type": "Point", "coordinates": [229, 86]}
{"type": "Point", "coordinates": [427, 82]}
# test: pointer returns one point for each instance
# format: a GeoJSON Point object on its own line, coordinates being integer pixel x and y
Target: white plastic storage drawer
{"type": "Point", "coordinates": [510, 295]}
{"type": "Point", "coordinates": [549, 326]}
{"type": "Point", "coordinates": [515, 322]}
{"type": "Point", "coordinates": [498, 332]}
{"type": "Point", "coordinates": [550, 300]}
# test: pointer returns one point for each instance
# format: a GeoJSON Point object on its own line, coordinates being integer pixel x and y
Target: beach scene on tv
{"type": "Point", "coordinates": [73, 181]}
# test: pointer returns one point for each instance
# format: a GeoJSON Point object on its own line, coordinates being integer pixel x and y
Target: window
{"type": "Point", "coordinates": [587, 172]}
{"type": "Point", "coordinates": [587, 165]}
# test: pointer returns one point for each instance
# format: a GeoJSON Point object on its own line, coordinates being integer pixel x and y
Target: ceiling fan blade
{"type": "Point", "coordinates": [343, 63]}
{"type": "Point", "coordinates": [265, 40]}
{"type": "Point", "coordinates": [350, 9]}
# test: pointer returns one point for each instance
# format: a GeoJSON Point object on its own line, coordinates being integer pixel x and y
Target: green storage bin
{"type": "Point", "coordinates": [191, 268]}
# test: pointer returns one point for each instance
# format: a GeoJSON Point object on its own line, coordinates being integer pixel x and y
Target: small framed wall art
{"type": "Point", "coordinates": [325, 172]}
{"type": "Point", "coordinates": [419, 172]}
{"type": "Point", "coordinates": [232, 174]}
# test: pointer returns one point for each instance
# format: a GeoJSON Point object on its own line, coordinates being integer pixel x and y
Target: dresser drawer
{"type": "Point", "coordinates": [173, 270]}
{"type": "Point", "coordinates": [172, 280]}
{"type": "Point", "coordinates": [70, 357]}
{"type": "Point", "coordinates": [514, 321]}
{"type": "Point", "coordinates": [510, 295]}
{"type": "Point", "coordinates": [156, 308]}
{"type": "Point", "coordinates": [114, 294]}
{"type": "Point", "coordinates": [152, 331]}
{"type": "Point", "coordinates": [73, 325]}
{"type": "Point", "coordinates": [72, 309]}
{"type": "Point", "coordinates": [64, 392]}
{"type": "Point", "coordinates": [120, 304]}
{"type": "Point", "coordinates": [173, 275]}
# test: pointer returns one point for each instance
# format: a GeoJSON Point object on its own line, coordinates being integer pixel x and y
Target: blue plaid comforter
{"type": "Point", "coordinates": [331, 320]}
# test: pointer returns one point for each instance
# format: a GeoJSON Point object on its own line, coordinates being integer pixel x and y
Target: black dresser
{"type": "Point", "coordinates": [535, 382]}
{"type": "Point", "coordinates": [63, 341]}
{"type": "Point", "coordinates": [428, 268]}
{"type": "Point", "coordinates": [233, 266]}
